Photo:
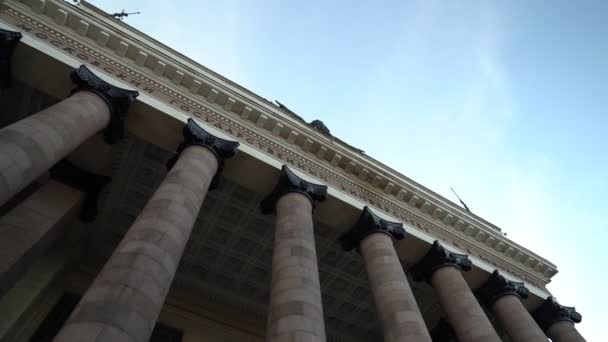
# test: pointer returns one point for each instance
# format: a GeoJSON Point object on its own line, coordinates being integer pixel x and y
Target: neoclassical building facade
{"type": "Point", "coordinates": [144, 197]}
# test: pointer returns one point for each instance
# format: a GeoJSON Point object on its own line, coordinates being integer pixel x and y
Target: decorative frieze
{"type": "Point", "coordinates": [367, 224]}
{"type": "Point", "coordinates": [118, 100]}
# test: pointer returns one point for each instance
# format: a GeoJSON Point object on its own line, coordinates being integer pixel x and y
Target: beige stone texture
{"type": "Point", "coordinates": [464, 313]}
{"type": "Point", "coordinates": [295, 312]}
{"type": "Point", "coordinates": [564, 331]}
{"type": "Point", "coordinates": [395, 302]}
{"type": "Point", "coordinates": [516, 320]}
{"type": "Point", "coordinates": [31, 227]}
{"type": "Point", "coordinates": [29, 147]}
{"type": "Point", "coordinates": [126, 297]}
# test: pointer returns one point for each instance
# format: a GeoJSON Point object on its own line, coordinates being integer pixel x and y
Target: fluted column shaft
{"type": "Point", "coordinates": [126, 297]}
{"type": "Point", "coordinates": [395, 302]}
{"type": "Point", "coordinates": [31, 146]}
{"type": "Point", "coordinates": [564, 331]}
{"type": "Point", "coordinates": [296, 312]}
{"type": "Point", "coordinates": [516, 320]}
{"type": "Point", "coordinates": [465, 314]}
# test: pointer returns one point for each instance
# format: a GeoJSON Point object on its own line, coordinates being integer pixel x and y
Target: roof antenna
{"type": "Point", "coordinates": [461, 202]}
{"type": "Point", "coordinates": [120, 16]}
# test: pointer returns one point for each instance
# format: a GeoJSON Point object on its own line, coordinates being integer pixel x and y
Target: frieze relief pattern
{"type": "Point", "coordinates": [523, 265]}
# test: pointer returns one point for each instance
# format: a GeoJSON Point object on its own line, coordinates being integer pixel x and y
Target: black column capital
{"type": "Point", "coordinates": [498, 286]}
{"type": "Point", "coordinates": [436, 258]}
{"type": "Point", "coordinates": [442, 332]}
{"type": "Point", "coordinates": [195, 135]}
{"type": "Point", "coordinates": [551, 312]}
{"type": "Point", "coordinates": [367, 224]}
{"type": "Point", "coordinates": [8, 42]}
{"type": "Point", "coordinates": [89, 183]}
{"type": "Point", "coordinates": [290, 182]}
{"type": "Point", "coordinates": [118, 100]}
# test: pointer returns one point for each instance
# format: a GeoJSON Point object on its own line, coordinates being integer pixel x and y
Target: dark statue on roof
{"type": "Point", "coordinates": [317, 125]}
{"type": "Point", "coordinates": [320, 127]}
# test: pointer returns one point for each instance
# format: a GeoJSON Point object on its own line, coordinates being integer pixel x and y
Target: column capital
{"type": "Point", "coordinates": [195, 135]}
{"type": "Point", "coordinates": [117, 99]}
{"type": "Point", "coordinates": [498, 286]}
{"type": "Point", "coordinates": [436, 258]}
{"type": "Point", "coordinates": [367, 224]}
{"type": "Point", "coordinates": [289, 182]}
{"type": "Point", "coordinates": [8, 42]}
{"type": "Point", "coordinates": [551, 311]}
{"type": "Point", "coordinates": [89, 183]}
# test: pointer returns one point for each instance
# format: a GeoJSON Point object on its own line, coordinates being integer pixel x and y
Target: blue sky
{"type": "Point", "coordinates": [504, 101]}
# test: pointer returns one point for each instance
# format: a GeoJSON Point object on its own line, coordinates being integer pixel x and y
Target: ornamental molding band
{"type": "Point", "coordinates": [289, 182]}
{"type": "Point", "coordinates": [89, 183]}
{"type": "Point", "coordinates": [125, 54]}
{"type": "Point", "coordinates": [195, 135]}
{"type": "Point", "coordinates": [436, 258]}
{"type": "Point", "coordinates": [117, 99]}
{"type": "Point", "coordinates": [367, 224]}
{"type": "Point", "coordinates": [498, 286]}
{"type": "Point", "coordinates": [551, 312]}
{"type": "Point", "coordinates": [8, 42]}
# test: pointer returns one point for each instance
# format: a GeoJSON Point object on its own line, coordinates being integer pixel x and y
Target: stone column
{"type": "Point", "coordinates": [395, 303]}
{"type": "Point", "coordinates": [126, 297]}
{"type": "Point", "coordinates": [441, 268]}
{"type": "Point", "coordinates": [295, 311]}
{"type": "Point", "coordinates": [8, 43]}
{"type": "Point", "coordinates": [32, 226]}
{"type": "Point", "coordinates": [557, 321]}
{"type": "Point", "coordinates": [504, 297]}
{"type": "Point", "coordinates": [29, 147]}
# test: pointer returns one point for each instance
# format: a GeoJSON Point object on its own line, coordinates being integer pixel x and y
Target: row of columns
{"type": "Point", "coordinates": [125, 299]}
{"type": "Point", "coordinates": [466, 320]}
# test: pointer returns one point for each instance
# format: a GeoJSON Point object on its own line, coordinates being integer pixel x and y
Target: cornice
{"type": "Point", "coordinates": [197, 86]}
